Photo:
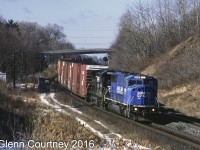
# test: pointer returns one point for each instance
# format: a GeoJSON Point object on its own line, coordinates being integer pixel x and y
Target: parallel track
{"type": "Point", "coordinates": [167, 135]}
{"type": "Point", "coordinates": [193, 121]}
{"type": "Point", "coordinates": [188, 138]}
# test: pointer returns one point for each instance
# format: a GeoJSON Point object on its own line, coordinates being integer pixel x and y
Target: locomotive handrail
{"type": "Point", "coordinates": [129, 105]}
{"type": "Point", "coordinates": [105, 94]}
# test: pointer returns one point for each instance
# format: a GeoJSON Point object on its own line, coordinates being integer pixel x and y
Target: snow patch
{"type": "Point", "coordinates": [98, 122]}
{"type": "Point", "coordinates": [99, 134]}
{"type": "Point", "coordinates": [42, 97]}
{"type": "Point", "coordinates": [56, 107]}
{"type": "Point", "coordinates": [52, 95]}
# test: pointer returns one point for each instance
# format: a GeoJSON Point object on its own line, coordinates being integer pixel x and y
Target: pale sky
{"type": "Point", "coordinates": [87, 23]}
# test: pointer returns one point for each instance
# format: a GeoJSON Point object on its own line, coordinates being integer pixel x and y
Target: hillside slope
{"type": "Point", "coordinates": [178, 74]}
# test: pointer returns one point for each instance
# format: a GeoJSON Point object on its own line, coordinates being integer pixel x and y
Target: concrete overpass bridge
{"type": "Point", "coordinates": [52, 55]}
{"type": "Point", "coordinates": [76, 52]}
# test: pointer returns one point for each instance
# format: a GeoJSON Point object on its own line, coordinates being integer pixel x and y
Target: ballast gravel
{"type": "Point", "coordinates": [185, 128]}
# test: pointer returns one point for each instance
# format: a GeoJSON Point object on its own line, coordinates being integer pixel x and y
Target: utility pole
{"type": "Point", "coordinates": [24, 64]}
{"type": "Point", "coordinates": [14, 82]}
{"type": "Point", "coordinates": [23, 68]}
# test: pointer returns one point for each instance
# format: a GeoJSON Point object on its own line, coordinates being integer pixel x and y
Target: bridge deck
{"type": "Point", "coordinates": [72, 51]}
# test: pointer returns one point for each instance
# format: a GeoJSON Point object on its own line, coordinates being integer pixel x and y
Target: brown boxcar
{"type": "Point", "coordinates": [61, 70]}
{"type": "Point", "coordinates": [76, 77]}
{"type": "Point", "coordinates": [59, 65]}
{"type": "Point", "coordinates": [65, 74]}
{"type": "Point", "coordinates": [69, 77]}
{"type": "Point", "coordinates": [75, 67]}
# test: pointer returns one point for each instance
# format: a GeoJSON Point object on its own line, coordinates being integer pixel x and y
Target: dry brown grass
{"type": "Point", "coordinates": [11, 101]}
{"type": "Point", "coordinates": [185, 99]}
{"type": "Point", "coordinates": [178, 74]}
{"type": "Point", "coordinates": [179, 66]}
{"type": "Point", "coordinates": [50, 72]}
{"type": "Point", "coordinates": [15, 116]}
{"type": "Point", "coordinates": [59, 127]}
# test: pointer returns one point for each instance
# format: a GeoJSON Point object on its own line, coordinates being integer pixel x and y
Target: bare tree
{"type": "Point", "coordinates": [147, 30]}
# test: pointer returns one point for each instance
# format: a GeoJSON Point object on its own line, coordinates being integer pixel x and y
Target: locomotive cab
{"type": "Point", "coordinates": [142, 92]}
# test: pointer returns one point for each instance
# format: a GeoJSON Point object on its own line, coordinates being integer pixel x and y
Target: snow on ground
{"type": "Point", "coordinates": [56, 107]}
{"type": "Point", "coordinates": [112, 138]}
{"type": "Point", "coordinates": [99, 122]}
{"type": "Point", "coordinates": [67, 106]}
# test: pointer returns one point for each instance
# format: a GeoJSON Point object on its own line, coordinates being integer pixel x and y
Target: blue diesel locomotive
{"type": "Point", "coordinates": [124, 93]}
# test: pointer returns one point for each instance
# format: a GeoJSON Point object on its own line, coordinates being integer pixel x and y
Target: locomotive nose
{"type": "Point", "coordinates": [149, 96]}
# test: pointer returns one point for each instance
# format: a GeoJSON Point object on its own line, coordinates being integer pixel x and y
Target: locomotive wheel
{"type": "Point", "coordinates": [99, 103]}
{"type": "Point", "coordinates": [126, 113]}
{"type": "Point", "coordinates": [135, 117]}
{"type": "Point", "coordinates": [88, 99]}
{"type": "Point", "coordinates": [105, 105]}
{"type": "Point", "coordinates": [122, 112]}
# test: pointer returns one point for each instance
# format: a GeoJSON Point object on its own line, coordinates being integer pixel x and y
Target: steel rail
{"type": "Point", "coordinates": [165, 134]}
{"type": "Point", "coordinates": [190, 121]}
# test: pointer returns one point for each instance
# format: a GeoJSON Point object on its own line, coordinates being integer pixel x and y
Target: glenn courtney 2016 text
{"type": "Point", "coordinates": [49, 144]}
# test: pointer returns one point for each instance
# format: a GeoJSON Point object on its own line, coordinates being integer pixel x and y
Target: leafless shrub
{"type": "Point", "coordinates": [16, 117]}
{"type": "Point", "coordinates": [58, 127]}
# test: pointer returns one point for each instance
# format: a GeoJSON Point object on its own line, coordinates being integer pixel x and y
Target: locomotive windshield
{"type": "Point", "coordinates": [149, 82]}
{"type": "Point", "coordinates": [146, 82]}
{"type": "Point", "coordinates": [134, 82]}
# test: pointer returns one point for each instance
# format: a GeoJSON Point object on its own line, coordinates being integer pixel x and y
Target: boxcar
{"type": "Point", "coordinates": [76, 77]}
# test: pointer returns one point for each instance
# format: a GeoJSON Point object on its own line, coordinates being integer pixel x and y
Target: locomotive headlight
{"type": "Point", "coordinates": [135, 109]}
{"type": "Point", "coordinates": [153, 109]}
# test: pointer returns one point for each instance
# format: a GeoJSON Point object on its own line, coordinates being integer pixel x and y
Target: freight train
{"type": "Point", "coordinates": [125, 93]}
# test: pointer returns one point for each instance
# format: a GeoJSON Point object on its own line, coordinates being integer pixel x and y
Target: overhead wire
{"type": "Point", "coordinates": [89, 37]}
{"type": "Point", "coordinates": [91, 43]}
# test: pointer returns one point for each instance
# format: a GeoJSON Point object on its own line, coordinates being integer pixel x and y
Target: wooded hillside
{"type": "Point", "coordinates": [148, 30]}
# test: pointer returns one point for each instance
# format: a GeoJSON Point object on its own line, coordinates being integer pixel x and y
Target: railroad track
{"type": "Point", "coordinates": [191, 139]}
{"type": "Point", "coordinates": [195, 122]}
{"type": "Point", "coordinates": [164, 136]}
